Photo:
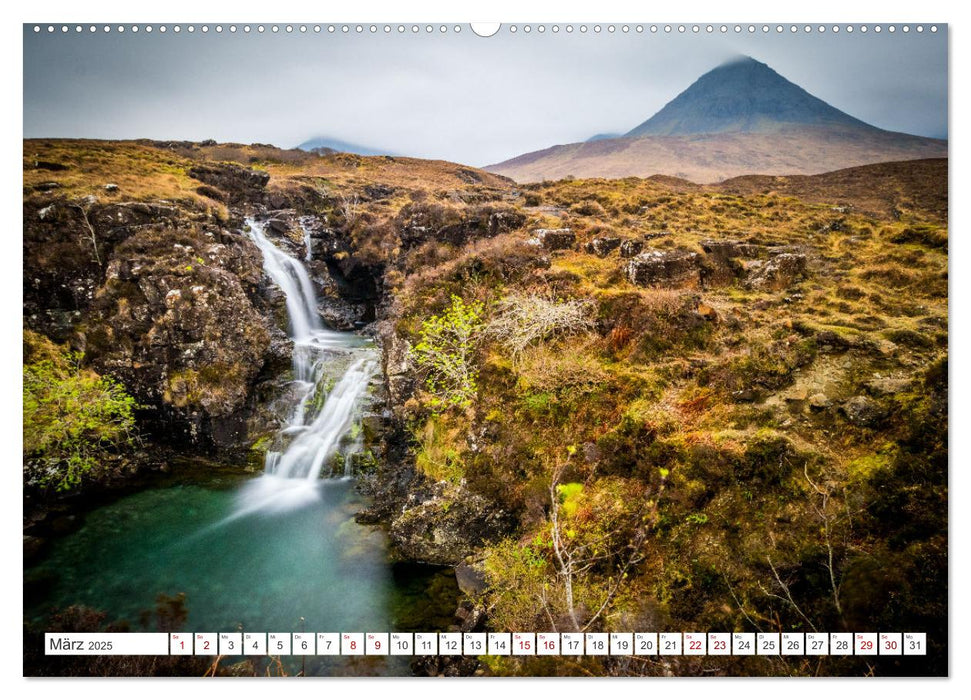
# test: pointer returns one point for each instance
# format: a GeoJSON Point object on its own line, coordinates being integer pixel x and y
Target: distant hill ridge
{"type": "Point", "coordinates": [741, 118]}
{"type": "Point", "coordinates": [325, 143]}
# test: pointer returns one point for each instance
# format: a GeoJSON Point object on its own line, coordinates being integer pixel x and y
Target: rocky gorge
{"type": "Point", "coordinates": [169, 298]}
{"type": "Point", "coordinates": [705, 377]}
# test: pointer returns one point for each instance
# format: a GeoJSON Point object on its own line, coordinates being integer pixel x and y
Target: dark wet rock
{"type": "Point", "coordinates": [38, 583]}
{"type": "Point", "coordinates": [278, 357]}
{"type": "Point", "coordinates": [284, 229]}
{"type": "Point", "coordinates": [631, 247]}
{"type": "Point", "coordinates": [58, 324]}
{"type": "Point", "coordinates": [471, 579]}
{"type": "Point", "coordinates": [278, 225]}
{"type": "Point", "coordinates": [444, 666]}
{"type": "Point", "coordinates": [863, 412]}
{"type": "Point", "coordinates": [375, 426]}
{"type": "Point", "coordinates": [664, 267]}
{"type": "Point", "coordinates": [471, 616]}
{"type": "Point", "coordinates": [47, 186]}
{"type": "Point", "coordinates": [602, 247]}
{"type": "Point", "coordinates": [342, 315]}
{"type": "Point", "coordinates": [447, 527]}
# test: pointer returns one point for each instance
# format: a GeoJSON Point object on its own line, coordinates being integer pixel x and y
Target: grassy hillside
{"type": "Point", "coordinates": [702, 407]}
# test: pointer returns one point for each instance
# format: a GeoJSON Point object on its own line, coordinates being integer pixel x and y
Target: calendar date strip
{"type": "Point", "coordinates": [486, 643]}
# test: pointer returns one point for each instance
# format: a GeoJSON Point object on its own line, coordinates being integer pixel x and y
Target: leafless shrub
{"type": "Point", "coordinates": [524, 319]}
{"type": "Point", "coordinates": [349, 208]}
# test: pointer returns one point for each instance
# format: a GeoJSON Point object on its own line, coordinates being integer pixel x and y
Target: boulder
{"type": "Point", "coordinates": [378, 191]}
{"type": "Point", "coordinates": [602, 247]}
{"type": "Point", "coordinates": [341, 314]}
{"type": "Point", "coordinates": [664, 268]}
{"type": "Point", "coordinates": [471, 579]}
{"type": "Point", "coordinates": [47, 165]}
{"type": "Point", "coordinates": [631, 247]}
{"type": "Point", "coordinates": [35, 546]}
{"type": "Point", "coordinates": [819, 402]}
{"type": "Point", "coordinates": [779, 271]}
{"type": "Point", "coordinates": [555, 238]}
{"type": "Point", "coordinates": [505, 220]}
{"type": "Point", "coordinates": [448, 527]}
{"type": "Point", "coordinates": [863, 412]}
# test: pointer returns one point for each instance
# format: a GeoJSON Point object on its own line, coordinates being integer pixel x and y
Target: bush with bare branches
{"type": "Point", "coordinates": [524, 319]}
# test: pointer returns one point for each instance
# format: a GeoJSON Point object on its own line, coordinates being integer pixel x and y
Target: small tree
{"type": "Point", "coordinates": [446, 354]}
{"type": "Point", "coordinates": [84, 206]}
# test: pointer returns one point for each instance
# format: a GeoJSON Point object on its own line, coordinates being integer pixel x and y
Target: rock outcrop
{"type": "Point", "coordinates": [602, 247]}
{"type": "Point", "coordinates": [631, 247]}
{"type": "Point", "coordinates": [664, 267]}
{"type": "Point", "coordinates": [422, 222]}
{"type": "Point", "coordinates": [238, 184]}
{"type": "Point", "coordinates": [175, 321]}
{"type": "Point", "coordinates": [447, 527]}
{"type": "Point", "coordinates": [555, 238]}
{"type": "Point", "coordinates": [779, 271]}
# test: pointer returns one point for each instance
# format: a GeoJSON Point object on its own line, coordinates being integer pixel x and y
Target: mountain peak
{"type": "Point", "coordinates": [742, 95]}
{"type": "Point", "coordinates": [741, 59]}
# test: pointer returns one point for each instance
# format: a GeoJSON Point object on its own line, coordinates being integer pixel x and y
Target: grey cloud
{"type": "Point", "coordinates": [456, 97]}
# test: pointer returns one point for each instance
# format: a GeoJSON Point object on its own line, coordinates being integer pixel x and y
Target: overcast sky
{"type": "Point", "coordinates": [458, 97]}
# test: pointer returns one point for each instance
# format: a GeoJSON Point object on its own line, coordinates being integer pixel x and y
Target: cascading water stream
{"type": "Point", "coordinates": [280, 551]}
{"type": "Point", "coordinates": [317, 426]}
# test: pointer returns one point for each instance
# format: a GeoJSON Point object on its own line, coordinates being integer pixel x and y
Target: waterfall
{"type": "Point", "coordinates": [307, 242]}
{"type": "Point", "coordinates": [322, 416]}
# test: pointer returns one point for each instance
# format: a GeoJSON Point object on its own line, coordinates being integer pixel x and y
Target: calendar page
{"type": "Point", "coordinates": [450, 349]}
